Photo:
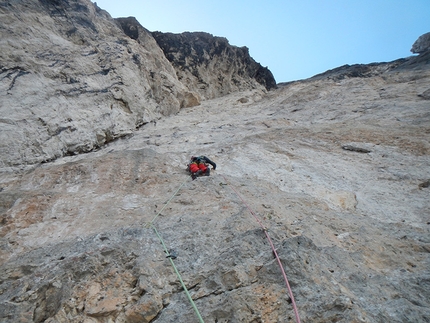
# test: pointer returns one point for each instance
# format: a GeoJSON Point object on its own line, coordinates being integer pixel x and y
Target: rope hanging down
{"type": "Point", "coordinates": [179, 275]}
{"type": "Point", "coordinates": [290, 292]}
{"type": "Point", "coordinates": [151, 224]}
{"type": "Point", "coordinates": [171, 198]}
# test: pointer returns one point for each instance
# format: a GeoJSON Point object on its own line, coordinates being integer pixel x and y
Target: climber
{"type": "Point", "coordinates": [198, 166]}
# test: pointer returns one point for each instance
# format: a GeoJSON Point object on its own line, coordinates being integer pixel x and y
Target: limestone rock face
{"type": "Point", "coordinates": [361, 70]}
{"type": "Point", "coordinates": [73, 79]}
{"type": "Point", "coordinates": [136, 31]}
{"type": "Point", "coordinates": [336, 168]}
{"type": "Point", "coordinates": [211, 66]}
{"type": "Point", "coordinates": [422, 44]}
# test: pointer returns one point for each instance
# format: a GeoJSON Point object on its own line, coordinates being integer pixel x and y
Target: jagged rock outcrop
{"type": "Point", "coordinates": [73, 79]}
{"type": "Point", "coordinates": [136, 31]}
{"type": "Point", "coordinates": [359, 70]}
{"type": "Point", "coordinates": [422, 44]}
{"type": "Point", "coordinates": [337, 168]}
{"type": "Point", "coordinates": [211, 65]}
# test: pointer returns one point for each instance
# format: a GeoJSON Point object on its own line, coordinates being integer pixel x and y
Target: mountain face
{"type": "Point", "coordinates": [336, 168]}
{"type": "Point", "coordinates": [73, 79]}
{"type": "Point", "coordinates": [211, 65]}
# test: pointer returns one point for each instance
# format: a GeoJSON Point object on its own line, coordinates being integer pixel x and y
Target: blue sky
{"type": "Point", "coordinates": [294, 39]}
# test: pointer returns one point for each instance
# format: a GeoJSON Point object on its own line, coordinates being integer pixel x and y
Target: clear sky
{"type": "Point", "coordinates": [294, 39]}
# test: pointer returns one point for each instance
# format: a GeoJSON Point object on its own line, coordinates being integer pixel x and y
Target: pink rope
{"type": "Point", "coordinates": [296, 312]}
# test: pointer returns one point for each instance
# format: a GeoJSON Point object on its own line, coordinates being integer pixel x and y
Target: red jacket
{"type": "Point", "coordinates": [194, 167]}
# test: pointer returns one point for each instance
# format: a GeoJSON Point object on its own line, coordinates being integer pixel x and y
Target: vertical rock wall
{"type": "Point", "coordinates": [211, 66]}
{"type": "Point", "coordinates": [72, 79]}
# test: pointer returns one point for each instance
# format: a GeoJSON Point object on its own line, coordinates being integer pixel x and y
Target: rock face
{"type": "Point", "coordinates": [136, 31]}
{"type": "Point", "coordinates": [337, 168]}
{"type": "Point", "coordinates": [73, 79]}
{"type": "Point", "coordinates": [212, 65]}
{"type": "Point", "coordinates": [58, 53]}
{"type": "Point", "coordinates": [362, 70]}
{"type": "Point", "coordinates": [422, 44]}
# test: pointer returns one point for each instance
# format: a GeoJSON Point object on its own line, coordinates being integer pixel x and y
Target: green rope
{"type": "Point", "coordinates": [171, 198]}
{"type": "Point", "coordinates": [177, 274]}
{"type": "Point", "coordinates": [151, 224]}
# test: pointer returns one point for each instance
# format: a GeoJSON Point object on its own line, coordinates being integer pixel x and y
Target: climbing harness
{"type": "Point", "coordinates": [290, 292]}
